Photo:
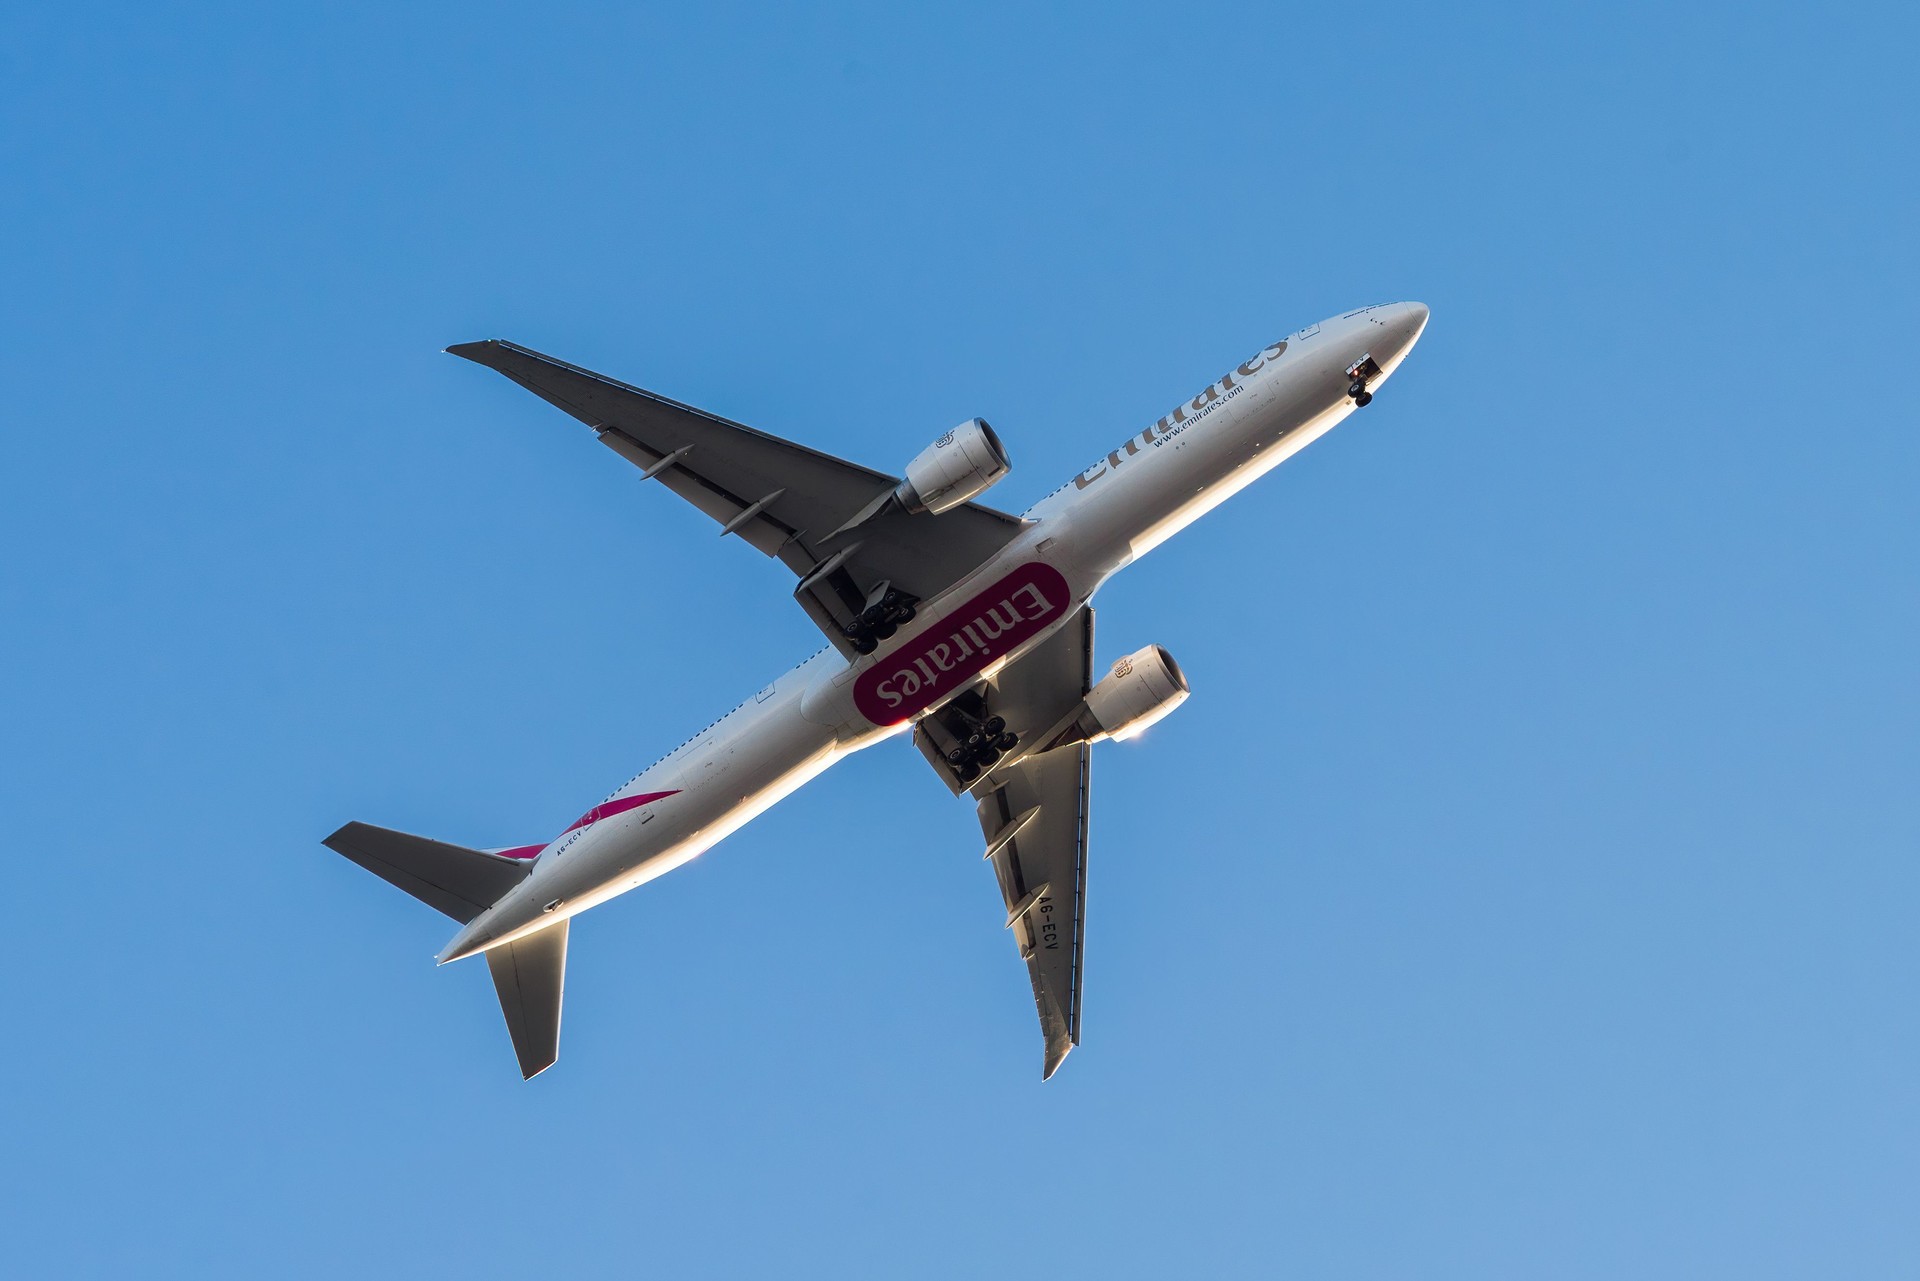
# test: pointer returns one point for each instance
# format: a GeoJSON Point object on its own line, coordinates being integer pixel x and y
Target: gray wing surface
{"type": "Point", "coordinates": [448, 878]}
{"type": "Point", "coordinates": [529, 977]}
{"type": "Point", "coordinates": [793, 503]}
{"type": "Point", "coordinates": [1033, 814]}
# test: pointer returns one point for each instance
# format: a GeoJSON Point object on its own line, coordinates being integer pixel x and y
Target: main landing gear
{"type": "Point", "coordinates": [963, 739]}
{"type": "Point", "coordinates": [979, 740]}
{"type": "Point", "coordinates": [1360, 372]}
{"type": "Point", "coordinates": [879, 621]}
{"type": "Point", "coordinates": [982, 748]}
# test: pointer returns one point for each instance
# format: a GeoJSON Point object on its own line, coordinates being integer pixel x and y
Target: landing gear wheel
{"type": "Point", "coordinates": [958, 756]}
{"type": "Point", "coordinates": [865, 644]}
{"type": "Point", "coordinates": [995, 727]}
{"type": "Point", "coordinates": [884, 630]}
{"type": "Point", "coordinates": [969, 772]}
{"type": "Point", "coordinates": [1357, 390]}
{"type": "Point", "coordinates": [903, 615]}
{"type": "Point", "coordinates": [1363, 399]}
{"type": "Point", "coordinates": [1005, 743]}
{"type": "Point", "coordinates": [989, 758]}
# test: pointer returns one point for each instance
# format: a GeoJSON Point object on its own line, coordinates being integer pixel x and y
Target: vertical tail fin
{"type": "Point", "coordinates": [530, 975]}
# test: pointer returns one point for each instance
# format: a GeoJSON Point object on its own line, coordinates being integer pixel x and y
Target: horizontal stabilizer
{"type": "Point", "coordinates": [448, 878]}
{"type": "Point", "coordinates": [530, 975]}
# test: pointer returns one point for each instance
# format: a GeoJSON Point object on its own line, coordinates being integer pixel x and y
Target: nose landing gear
{"type": "Point", "coordinates": [1361, 372]}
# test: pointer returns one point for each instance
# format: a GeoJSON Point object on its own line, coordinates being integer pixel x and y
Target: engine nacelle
{"type": "Point", "coordinates": [1142, 688]}
{"type": "Point", "coordinates": [954, 468]}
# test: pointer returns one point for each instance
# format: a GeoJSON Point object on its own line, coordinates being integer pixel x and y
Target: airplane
{"type": "Point", "coordinates": [968, 629]}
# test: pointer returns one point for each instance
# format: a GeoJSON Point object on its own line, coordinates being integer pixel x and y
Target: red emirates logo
{"type": "Point", "coordinates": [947, 654]}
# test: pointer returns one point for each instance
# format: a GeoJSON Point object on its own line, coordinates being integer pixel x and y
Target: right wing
{"type": "Point", "coordinates": [1042, 870]}
{"type": "Point", "coordinates": [1033, 814]}
{"type": "Point", "coordinates": [827, 520]}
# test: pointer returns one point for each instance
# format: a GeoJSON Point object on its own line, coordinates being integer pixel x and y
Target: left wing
{"type": "Point", "coordinates": [827, 520]}
{"type": "Point", "coordinates": [1033, 813]}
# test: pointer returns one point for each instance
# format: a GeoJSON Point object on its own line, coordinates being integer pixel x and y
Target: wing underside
{"type": "Point", "coordinates": [827, 520]}
{"type": "Point", "coordinates": [1033, 814]}
{"type": "Point", "coordinates": [1042, 872]}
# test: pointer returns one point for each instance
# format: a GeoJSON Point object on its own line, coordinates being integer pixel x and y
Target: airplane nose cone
{"type": "Point", "coordinates": [1404, 325]}
{"type": "Point", "coordinates": [1410, 322]}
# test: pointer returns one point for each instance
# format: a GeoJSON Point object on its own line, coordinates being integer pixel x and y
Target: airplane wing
{"type": "Point", "coordinates": [1033, 813]}
{"type": "Point", "coordinates": [825, 519]}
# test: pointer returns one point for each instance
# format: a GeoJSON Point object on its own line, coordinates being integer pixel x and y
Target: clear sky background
{"type": "Point", "coordinates": [1528, 890]}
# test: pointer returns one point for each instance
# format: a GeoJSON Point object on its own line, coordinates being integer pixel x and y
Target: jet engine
{"type": "Point", "coordinates": [954, 468]}
{"type": "Point", "coordinates": [1141, 689]}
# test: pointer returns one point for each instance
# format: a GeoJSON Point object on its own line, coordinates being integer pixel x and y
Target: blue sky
{"type": "Point", "coordinates": [1527, 890]}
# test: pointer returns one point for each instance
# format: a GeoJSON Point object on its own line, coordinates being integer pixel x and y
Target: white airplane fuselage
{"type": "Point", "coordinates": [1154, 484]}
